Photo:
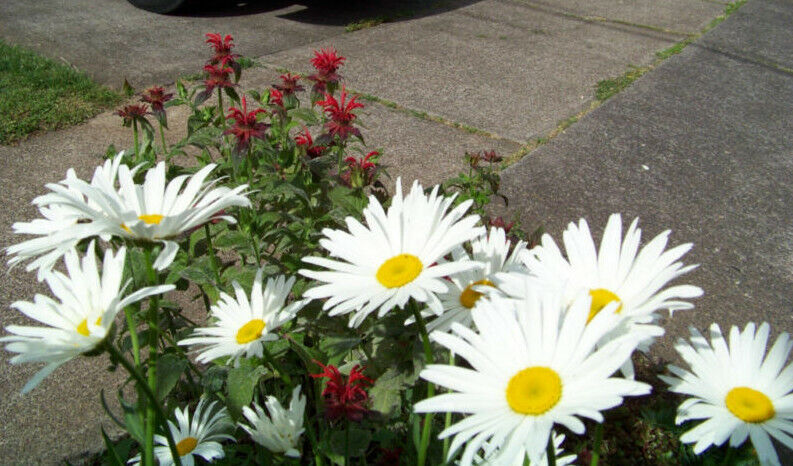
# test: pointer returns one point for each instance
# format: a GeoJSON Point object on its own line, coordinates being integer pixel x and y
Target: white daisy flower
{"type": "Point", "coordinates": [199, 436]}
{"type": "Point", "coordinates": [394, 257]}
{"type": "Point", "coordinates": [618, 272]}
{"type": "Point", "coordinates": [493, 253]}
{"type": "Point", "coordinates": [739, 390]}
{"type": "Point", "coordinates": [242, 326]}
{"type": "Point", "coordinates": [280, 431]}
{"type": "Point", "coordinates": [491, 456]}
{"type": "Point", "coordinates": [80, 319]}
{"type": "Point", "coordinates": [533, 365]}
{"type": "Point", "coordinates": [152, 211]}
{"type": "Point", "coordinates": [58, 231]}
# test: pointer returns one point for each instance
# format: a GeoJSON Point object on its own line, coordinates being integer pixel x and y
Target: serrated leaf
{"type": "Point", "coordinates": [305, 114]}
{"type": "Point", "coordinates": [214, 378]}
{"type": "Point", "coordinates": [359, 440]}
{"type": "Point", "coordinates": [386, 392]}
{"type": "Point", "coordinates": [337, 347]}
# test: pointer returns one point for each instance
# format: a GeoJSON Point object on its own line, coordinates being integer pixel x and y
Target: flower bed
{"type": "Point", "coordinates": [375, 326]}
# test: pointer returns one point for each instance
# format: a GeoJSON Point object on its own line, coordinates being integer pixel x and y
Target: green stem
{"type": "Point", "coordinates": [728, 458]}
{"type": "Point", "coordinates": [135, 138]}
{"type": "Point", "coordinates": [212, 257]}
{"type": "Point", "coordinates": [550, 451]}
{"type": "Point", "coordinates": [141, 382]}
{"type": "Point", "coordinates": [448, 419]}
{"type": "Point", "coordinates": [596, 445]}
{"type": "Point", "coordinates": [426, 428]}
{"type": "Point", "coordinates": [271, 360]}
{"type": "Point", "coordinates": [220, 108]}
{"type": "Point", "coordinates": [347, 443]}
{"type": "Point", "coordinates": [154, 303]}
{"type": "Point", "coordinates": [162, 139]}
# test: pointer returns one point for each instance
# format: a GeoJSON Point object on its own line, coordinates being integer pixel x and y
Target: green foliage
{"type": "Point", "coordinates": [37, 93]}
{"type": "Point", "coordinates": [609, 87]}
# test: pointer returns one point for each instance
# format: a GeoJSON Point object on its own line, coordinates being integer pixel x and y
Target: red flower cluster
{"type": "Point", "coordinates": [245, 126]}
{"type": "Point", "coordinates": [305, 140]}
{"type": "Point", "coordinates": [344, 398]}
{"type": "Point", "coordinates": [288, 84]}
{"type": "Point", "coordinates": [499, 222]}
{"type": "Point", "coordinates": [340, 113]}
{"type": "Point", "coordinates": [134, 112]}
{"type": "Point", "coordinates": [326, 62]}
{"type": "Point", "coordinates": [362, 172]}
{"type": "Point", "coordinates": [276, 98]}
{"type": "Point", "coordinates": [218, 77]}
{"type": "Point", "coordinates": [156, 97]}
{"type": "Point", "coordinates": [222, 48]}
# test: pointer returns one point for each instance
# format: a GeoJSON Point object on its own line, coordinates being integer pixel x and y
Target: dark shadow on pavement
{"type": "Point", "coordinates": [325, 12]}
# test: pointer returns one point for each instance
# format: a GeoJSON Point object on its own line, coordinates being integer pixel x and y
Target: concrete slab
{"type": "Point", "coordinates": [63, 413]}
{"type": "Point", "coordinates": [498, 65]}
{"type": "Point", "coordinates": [677, 15]}
{"type": "Point", "coordinates": [702, 146]}
{"type": "Point", "coordinates": [760, 32]}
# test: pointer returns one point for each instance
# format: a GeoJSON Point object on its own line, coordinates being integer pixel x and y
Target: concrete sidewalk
{"type": "Point", "coordinates": [702, 145]}
{"type": "Point", "coordinates": [464, 75]}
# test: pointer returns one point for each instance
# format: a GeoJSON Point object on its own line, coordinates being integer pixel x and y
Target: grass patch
{"type": "Point", "coordinates": [365, 24]}
{"type": "Point", "coordinates": [609, 87]}
{"type": "Point", "coordinates": [37, 93]}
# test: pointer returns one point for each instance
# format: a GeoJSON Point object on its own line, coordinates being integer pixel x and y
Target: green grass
{"type": "Point", "coordinates": [37, 93]}
{"type": "Point", "coordinates": [365, 24]}
{"type": "Point", "coordinates": [609, 87]}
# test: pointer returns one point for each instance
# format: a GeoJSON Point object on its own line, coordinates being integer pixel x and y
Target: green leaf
{"type": "Point", "coordinates": [214, 378]}
{"type": "Point", "coordinates": [200, 272]}
{"type": "Point", "coordinates": [241, 383]}
{"type": "Point", "coordinates": [244, 275]}
{"type": "Point", "coordinates": [169, 368]}
{"type": "Point", "coordinates": [305, 114]}
{"type": "Point", "coordinates": [386, 392]}
{"type": "Point", "coordinates": [337, 347]}
{"type": "Point", "coordinates": [132, 419]}
{"type": "Point", "coordinates": [111, 455]}
{"type": "Point", "coordinates": [359, 441]}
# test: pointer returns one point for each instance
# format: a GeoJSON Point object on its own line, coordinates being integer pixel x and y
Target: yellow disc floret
{"type": "Point", "coordinates": [534, 390]}
{"type": "Point", "coordinates": [601, 297]}
{"type": "Point", "coordinates": [151, 219]}
{"type": "Point", "coordinates": [399, 270]}
{"type": "Point", "coordinates": [250, 331]}
{"type": "Point", "coordinates": [186, 445]}
{"type": "Point", "coordinates": [469, 297]}
{"type": "Point", "coordinates": [749, 405]}
{"type": "Point", "coordinates": [82, 328]}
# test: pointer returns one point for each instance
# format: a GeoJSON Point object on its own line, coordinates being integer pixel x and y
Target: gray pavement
{"type": "Point", "coordinates": [702, 145]}
{"type": "Point", "coordinates": [510, 68]}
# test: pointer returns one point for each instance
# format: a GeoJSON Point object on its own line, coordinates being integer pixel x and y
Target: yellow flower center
{"type": "Point", "coordinates": [399, 270]}
{"type": "Point", "coordinates": [749, 405]}
{"type": "Point", "coordinates": [534, 390]}
{"type": "Point", "coordinates": [601, 297]}
{"type": "Point", "coordinates": [469, 297]}
{"type": "Point", "coordinates": [126, 228]}
{"type": "Point", "coordinates": [186, 445]}
{"type": "Point", "coordinates": [151, 219]}
{"type": "Point", "coordinates": [250, 331]}
{"type": "Point", "coordinates": [82, 329]}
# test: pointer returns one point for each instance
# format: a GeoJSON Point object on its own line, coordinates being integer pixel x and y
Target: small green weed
{"type": "Point", "coordinates": [608, 87]}
{"type": "Point", "coordinates": [365, 24]}
{"type": "Point", "coordinates": [38, 93]}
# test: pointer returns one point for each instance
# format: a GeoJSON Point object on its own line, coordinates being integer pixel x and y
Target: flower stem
{"type": "Point", "coordinates": [448, 419]}
{"type": "Point", "coordinates": [135, 138]}
{"type": "Point", "coordinates": [728, 457]}
{"type": "Point", "coordinates": [426, 428]}
{"type": "Point", "coordinates": [141, 382]}
{"type": "Point", "coordinates": [550, 451]}
{"type": "Point", "coordinates": [347, 443]}
{"type": "Point", "coordinates": [154, 303]}
{"type": "Point", "coordinates": [162, 139]}
{"type": "Point", "coordinates": [220, 108]}
{"type": "Point", "coordinates": [271, 360]}
{"type": "Point", "coordinates": [596, 445]}
{"type": "Point", "coordinates": [212, 257]}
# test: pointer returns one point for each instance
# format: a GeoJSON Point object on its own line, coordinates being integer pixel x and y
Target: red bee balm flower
{"type": "Point", "coordinates": [360, 173]}
{"type": "Point", "coordinates": [218, 77]}
{"type": "Point", "coordinates": [245, 126]}
{"type": "Point", "coordinates": [276, 98]}
{"type": "Point", "coordinates": [305, 140]}
{"type": "Point", "coordinates": [222, 48]}
{"type": "Point", "coordinates": [288, 84]}
{"type": "Point", "coordinates": [156, 97]}
{"type": "Point", "coordinates": [341, 115]}
{"type": "Point", "coordinates": [344, 399]}
{"type": "Point", "coordinates": [327, 63]}
{"type": "Point", "coordinates": [133, 112]}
